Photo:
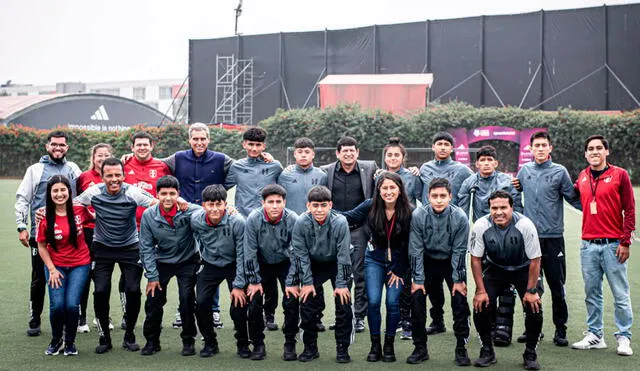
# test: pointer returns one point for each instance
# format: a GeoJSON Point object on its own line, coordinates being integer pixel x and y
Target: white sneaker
{"type": "Point", "coordinates": [217, 321]}
{"type": "Point", "coordinates": [95, 323]}
{"type": "Point", "coordinates": [624, 346]}
{"type": "Point", "coordinates": [590, 341]}
{"type": "Point", "coordinates": [83, 329]}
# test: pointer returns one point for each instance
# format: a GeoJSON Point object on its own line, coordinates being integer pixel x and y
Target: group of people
{"type": "Point", "coordinates": [347, 222]}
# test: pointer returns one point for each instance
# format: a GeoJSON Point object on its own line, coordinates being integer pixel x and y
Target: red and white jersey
{"type": "Point", "coordinates": [144, 175]}
{"type": "Point", "coordinates": [86, 180]}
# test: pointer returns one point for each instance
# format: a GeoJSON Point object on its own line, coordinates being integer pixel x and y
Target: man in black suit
{"type": "Point", "coordinates": [351, 182]}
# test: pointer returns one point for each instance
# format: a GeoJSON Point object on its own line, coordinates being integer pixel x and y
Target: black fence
{"type": "Point", "coordinates": [583, 58]}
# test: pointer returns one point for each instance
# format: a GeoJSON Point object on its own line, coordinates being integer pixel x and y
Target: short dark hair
{"type": "Point", "coordinates": [394, 142]}
{"type": "Point", "coordinates": [111, 161]}
{"type": "Point", "coordinates": [489, 151]}
{"type": "Point", "coordinates": [304, 142]}
{"type": "Point", "coordinates": [273, 189]}
{"type": "Point", "coordinates": [604, 141]}
{"type": "Point", "coordinates": [319, 194]}
{"type": "Point", "coordinates": [500, 194]}
{"type": "Point", "coordinates": [168, 181]}
{"type": "Point", "coordinates": [214, 192]}
{"type": "Point", "coordinates": [440, 183]}
{"type": "Point", "coordinates": [57, 134]}
{"type": "Point", "coordinates": [346, 141]}
{"type": "Point", "coordinates": [540, 134]}
{"type": "Point", "coordinates": [255, 135]}
{"type": "Point", "coordinates": [141, 135]}
{"type": "Point", "coordinates": [443, 135]}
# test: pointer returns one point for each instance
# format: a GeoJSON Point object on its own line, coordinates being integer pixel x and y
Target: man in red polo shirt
{"type": "Point", "coordinates": [608, 220]}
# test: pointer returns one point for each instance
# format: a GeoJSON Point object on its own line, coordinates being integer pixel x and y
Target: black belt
{"type": "Point", "coordinates": [603, 241]}
{"type": "Point", "coordinates": [355, 226]}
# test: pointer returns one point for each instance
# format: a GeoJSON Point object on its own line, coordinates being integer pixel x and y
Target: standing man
{"type": "Point", "coordinates": [351, 182]}
{"type": "Point", "coordinates": [608, 220]}
{"type": "Point", "coordinates": [545, 185]}
{"type": "Point", "coordinates": [250, 175]}
{"type": "Point", "coordinates": [320, 247]}
{"type": "Point", "coordinates": [509, 243]}
{"type": "Point", "coordinates": [442, 166]}
{"type": "Point", "coordinates": [167, 249]}
{"type": "Point", "coordinates": [437, 250]}
{"type": "Point", "coordinates": [115, 240]}
{"type": "Point", "coordinates": [267, 244]}
{"type": "Point", "coordinates": [31, 196]}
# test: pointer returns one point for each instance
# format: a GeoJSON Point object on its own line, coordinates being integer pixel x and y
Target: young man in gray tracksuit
{"type": "Point", "coordinates": [320, 247]}
{"type": "Point", "coordinates": [437, 251]}
{"type": "Point", "coordinates": [545, 185]}
{"type": "Point", "coordinates": [167, 250]}
{"type": "Point", "coordinates": [442, 166]}
{"type": "Point", "coordinates": [220, 239]}
{"type": "Point", "coordinates": [267, 241]}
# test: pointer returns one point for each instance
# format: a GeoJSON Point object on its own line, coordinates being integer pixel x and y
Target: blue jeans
{"type": "Point", "coordinates": [375, 277]}
{"type": "Point", "coordinates": [598, 260]}
{"type": "Point", "coordinates": [64, 302]}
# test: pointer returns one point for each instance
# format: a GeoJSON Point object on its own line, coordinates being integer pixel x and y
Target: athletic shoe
{"type": "Point", "coordinates": [462, 357]}
{"type": "Point", "coordinates": [129, 343]}
{"type": "Point", "coordinates": [83, 327]}
{"type": "Point", "coordinates": [150, 348]}
{"type": "Point", "coordinates": [359, 325]}
{"type": "Point", "coordinates": [419, 355]}
{"type": "Point", "coordinates": [111, 327]}
{"type": "Point", "coordinates": [320, 327]}
{"type": "Point", "coordinates": [209, 350]}
{"type": "Point", "coordinates": [487, 357]}
{"type": "Point", "coordinates": [178, 322]}
{"type": "Point", "coordinates": [309, 353]}
{"type": "Point", "coordinates": [34, 331]}
{"type": "Point", "coordinates": [289, 353]}
{"type": "Point", "coordinates": [624, 346]}
{"type": "Point", "coordinates": [70, 350]}
{"type": "Point", "coordinates": [436, 327]}
{"type": "Point", "coordinates": [217, 321]}
{"type": "Point", "coordinates": [243, 351]}
{"type": "Point", "coordinates": [54, 348]}
{"type": "Point", "coordinates": [188, 349]}
{"type": "Point", "coordinates": [560, 338]}
{"type": "Point", "coordinates": [530, 360]}
{"type": "Point", "coordinates": [104, 345]}
{"type": "Point", "coordinates": [406, 331]}
{"type": "Point", "coordinates": [123, 323]}
{"type": "Point", "coordinates": [270, 322]}
{"type": "Point", "coordinates": [342, 353]}
{"type": "Point", "coordinates": [259, 353]}
{"type": "Point", "coordinates": [590, 341]}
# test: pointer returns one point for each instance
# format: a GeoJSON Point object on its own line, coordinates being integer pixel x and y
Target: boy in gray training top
{"type": "Point", "coordinates": [219, 236]}
{"type": "Point", "coordinates": [320, 247]}
{"type": "Point", "coordinates": [267, 241]}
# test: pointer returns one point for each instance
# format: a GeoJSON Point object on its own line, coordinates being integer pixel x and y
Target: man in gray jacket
{"type": "Point", "coordinates": [442, 166]}
{"type": "Point", "coordinates": [30, 196]}
{"type": "Point", "coordinates": [320, 247]}
{"type": "Point", "coordinates": [267, 241]}
{"type": "Point", "coordinates": [167, 250]}
{"type": "Point", "coordinates": [545, 185]}
{"type": "Point", "coordinates": [351, 182]}
{"type": "Point", "coordinates": [220, 239]}
{"type": "Point", "coordinates": [437, 250]}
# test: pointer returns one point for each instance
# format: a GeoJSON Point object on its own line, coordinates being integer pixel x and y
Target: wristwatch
{"type": "Point", "coordinates": [533, 290]}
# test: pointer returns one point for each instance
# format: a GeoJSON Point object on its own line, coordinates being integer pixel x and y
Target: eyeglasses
{"type": "Point", "coordinates": [58, 145]}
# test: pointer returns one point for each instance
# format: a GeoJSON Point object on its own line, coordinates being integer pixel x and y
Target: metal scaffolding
{"type": "Point", "coordinates": [234, 91]}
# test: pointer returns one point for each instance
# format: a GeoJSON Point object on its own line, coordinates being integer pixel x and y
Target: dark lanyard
{"type": "Point", "coordinates": [389, 229]}
{"type": "Point", "coordinates": [597, 181]}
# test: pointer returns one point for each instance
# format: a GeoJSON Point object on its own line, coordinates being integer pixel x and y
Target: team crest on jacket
{"type": "Point", "coordinates": [607, 179]}
{"type": "Point", "coordinates": [153, 173]}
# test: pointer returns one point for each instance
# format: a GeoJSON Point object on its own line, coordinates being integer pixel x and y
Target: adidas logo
{"type": "Point", "coordinates": [100, 114]}
{"type": "Point", "coordinates": [131, 172]}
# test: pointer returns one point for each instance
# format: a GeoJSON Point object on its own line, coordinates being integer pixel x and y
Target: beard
{"type": "Point", "coordinates": [57, 160]}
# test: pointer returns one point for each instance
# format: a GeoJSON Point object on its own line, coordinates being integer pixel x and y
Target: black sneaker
{"type": "Point", "coordinates": [34, 331]}
{"type": "Point", "coordinates": [523, 338]}
{"type": "Point", "coordinates": [436, 327]}
{"type": "Point", "coordinates": [487, 357]}
{"type": "Point", "coordinates": [188, 349]}
{"type": "Point", "coordinates": [150, 348]}
{"type": "Point", "coordinates": [243, 351]}
{"type": "Point", "coordinates": [560, 338]}
{"type": "Point", "coordinates": [419, 355]}
{"type": "Point", "coordinates": [320, 327]}
{"type": "Point", "coordinates": [309, 354]}
{"type": "Point", "coordinates": [342, 353]}
{"type": "Point", "coordinates": [530, 359]}
{"type": "Point", "coordinates": [332, 326]}
{"type": "Point", "coordinates": [129, 343]}
{"type": "Point", "coordinates": [104, 345]}
{"type": "Point", "coordinates": [54, 348]}
{"type": "Point", "coordinates": [462, 357]}
{"type": "Point", "coordinates": [289, 353]}
{"type": "Point", "coordinates": [209, 350]}
{"type": "Point", "coordinates": [259, 353]}
{"type": "Point", "coordinates": [70, 350]}
{"type": "Point", "coordinates": [359, 325]}
{"type": "Point", "coordinates": [270, 322]}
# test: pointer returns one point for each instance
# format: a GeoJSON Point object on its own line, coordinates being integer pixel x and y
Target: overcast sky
{"type": "Point", "coordinates": [47, 41]}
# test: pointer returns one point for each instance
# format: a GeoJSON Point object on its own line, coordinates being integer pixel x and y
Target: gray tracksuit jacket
{"type": "Point", "coordinates": [325, 243]}
{"type": "Point", "coordinates": [544, 186]}
{"type": "Point", "coordinates": [480, 188]}
{"type": "Point", "coordinates": [221, 244]}
{"type": "Point", "coordinates": [454, 171]}
{"type": "Point", "coordinates": [163, 243]}
{"type": "Point", "coordinates": [298, 182]}
{"type": "Point", "coordinates": [250, 175]}
{"type": "Point", "coordinates": [266, 243]}
{"type": "Point", "coordinates": [438, 236]}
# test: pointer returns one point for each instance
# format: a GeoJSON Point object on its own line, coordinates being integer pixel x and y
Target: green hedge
{"type": "Point", "coordinates": [21, 146]}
